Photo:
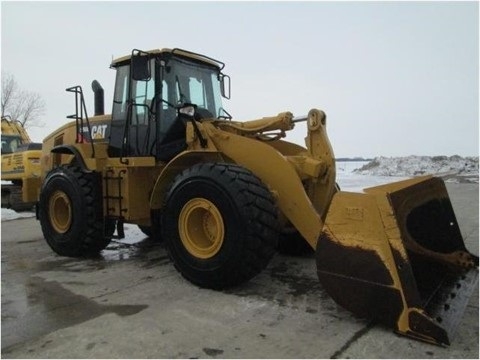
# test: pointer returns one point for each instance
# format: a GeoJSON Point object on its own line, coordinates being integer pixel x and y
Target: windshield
{"type": "Point", "coordinates": [189, 82]}
{"type": "Point", "coordinates": [10, 143]}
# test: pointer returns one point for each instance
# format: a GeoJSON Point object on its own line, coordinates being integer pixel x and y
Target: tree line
{"type": "Point", "coordinates": [20, 104]}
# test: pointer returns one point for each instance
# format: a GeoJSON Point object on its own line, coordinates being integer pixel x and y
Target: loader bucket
{"type": "Point", "coordinates": [395, 254]}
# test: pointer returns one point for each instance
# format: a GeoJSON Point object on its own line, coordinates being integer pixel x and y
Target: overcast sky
{"type": "Point", "coordinates": [395, 78]}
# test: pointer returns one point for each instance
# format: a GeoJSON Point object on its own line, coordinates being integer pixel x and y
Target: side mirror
{"type": "Point", "coordinates": [140, 66]}
{"type": "Point", "coordinates": [225, 86]}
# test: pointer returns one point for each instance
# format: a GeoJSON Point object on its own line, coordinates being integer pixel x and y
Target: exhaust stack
{"type": "Point", "coordinates": [98, 98]}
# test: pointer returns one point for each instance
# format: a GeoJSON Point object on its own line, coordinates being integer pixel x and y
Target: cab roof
{"type": "Point", "coordinates": [184, 53]}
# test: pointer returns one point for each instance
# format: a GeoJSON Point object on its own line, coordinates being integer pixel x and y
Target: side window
{"type": "Point", "coordinates": [165, 94]}
{"type": "Point", "coordinates": [120, 95]}
{"type": "Point", "coordinates": [169, 95]}
{"type": "Point", "coordinates": [142, 96]}
{"type": "Point", "coordinates": [216, 95]}
{"type": "Point", "coordinates": [197, 92]}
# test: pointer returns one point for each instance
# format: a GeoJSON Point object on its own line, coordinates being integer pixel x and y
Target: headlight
{"type": "Point", "coordinates": [188, 110]}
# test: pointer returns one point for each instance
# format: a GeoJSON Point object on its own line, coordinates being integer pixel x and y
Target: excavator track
{"type": "Point", "coordinates": [12, 198]}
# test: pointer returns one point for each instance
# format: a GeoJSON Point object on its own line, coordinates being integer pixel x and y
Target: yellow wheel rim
{"type": "Point", "coordinates": [60, 211]}
{"type": "Point", "coordinates": [201, 228]}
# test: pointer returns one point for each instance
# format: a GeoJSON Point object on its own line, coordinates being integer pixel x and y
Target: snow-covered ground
{"type": "Point", "coordinates": [357, 175]}
{"type": "Point", "coordinates": [8, 214]}
{"type": "Point", "coordinates": [350, 180]}
{"type": "Point", "coordinates": [453, 168]}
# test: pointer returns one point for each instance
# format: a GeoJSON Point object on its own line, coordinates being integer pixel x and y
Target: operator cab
{"type": "Point", "coordinates": [150, 87]}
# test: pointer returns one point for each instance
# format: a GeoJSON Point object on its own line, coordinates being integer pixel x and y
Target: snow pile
{"type": "Point", "coordinates": [453, 169]}
{"type": "Point", "coordinates": [9, 214]}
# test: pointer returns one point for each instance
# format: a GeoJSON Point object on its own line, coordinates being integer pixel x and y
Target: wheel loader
{"type": "Point", "coordinates": [220, 193]}
{"type": "Point", "coordinates": [20, 166]}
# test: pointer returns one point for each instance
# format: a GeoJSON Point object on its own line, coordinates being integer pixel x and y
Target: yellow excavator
{"type": "Point", "coordinates": [221, 194]}
{"type": "Point", "coordinates": [20, 166]}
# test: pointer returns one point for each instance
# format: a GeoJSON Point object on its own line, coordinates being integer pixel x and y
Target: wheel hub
{"type": "Point", "coordinates": [201, 228]}
{"type": "Point", "coordinates": [60, 211]}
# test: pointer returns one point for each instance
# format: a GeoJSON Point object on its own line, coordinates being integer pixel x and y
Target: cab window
{"type": "Point", "coordinates": [142, 94]}
{"type": "Point", "coordinates": [120, 95]}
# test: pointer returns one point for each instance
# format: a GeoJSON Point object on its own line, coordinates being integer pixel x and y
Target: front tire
{"type": "Point", "coordinates": [219, 224]}
{"type": "Point", "coordinates": [70, 212]}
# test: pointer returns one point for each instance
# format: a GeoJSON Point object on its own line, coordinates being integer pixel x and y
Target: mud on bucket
{"type": "Point", "coordinates": [395, 253]}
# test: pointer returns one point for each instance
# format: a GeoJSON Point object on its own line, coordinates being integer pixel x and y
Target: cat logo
{"type": "Point", "coordinates": [98, 131]}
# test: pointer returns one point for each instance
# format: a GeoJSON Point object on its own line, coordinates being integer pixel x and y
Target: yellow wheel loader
{"type": "Point", "coordinates": [220, 193]}
{"type": "Point", "coordinates": [20, 166]}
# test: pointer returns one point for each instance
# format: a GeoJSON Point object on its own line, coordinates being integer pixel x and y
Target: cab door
{"type": "Point", "coordinates": [133, 124]}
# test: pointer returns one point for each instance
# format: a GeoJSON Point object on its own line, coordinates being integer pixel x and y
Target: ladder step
{"type": "Point", "coordinates": [114, 202]}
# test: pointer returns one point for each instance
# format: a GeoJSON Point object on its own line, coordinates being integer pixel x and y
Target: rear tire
{"type": "Point", "coordinates": [219, 225]}
{"type": "Point", "coordinates": [70, 212]}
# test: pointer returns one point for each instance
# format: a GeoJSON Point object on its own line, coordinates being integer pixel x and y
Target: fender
{"type": "Point", "coordinates": [71, 150]}
{"type": "Point", "coordinates": [176, 166]}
